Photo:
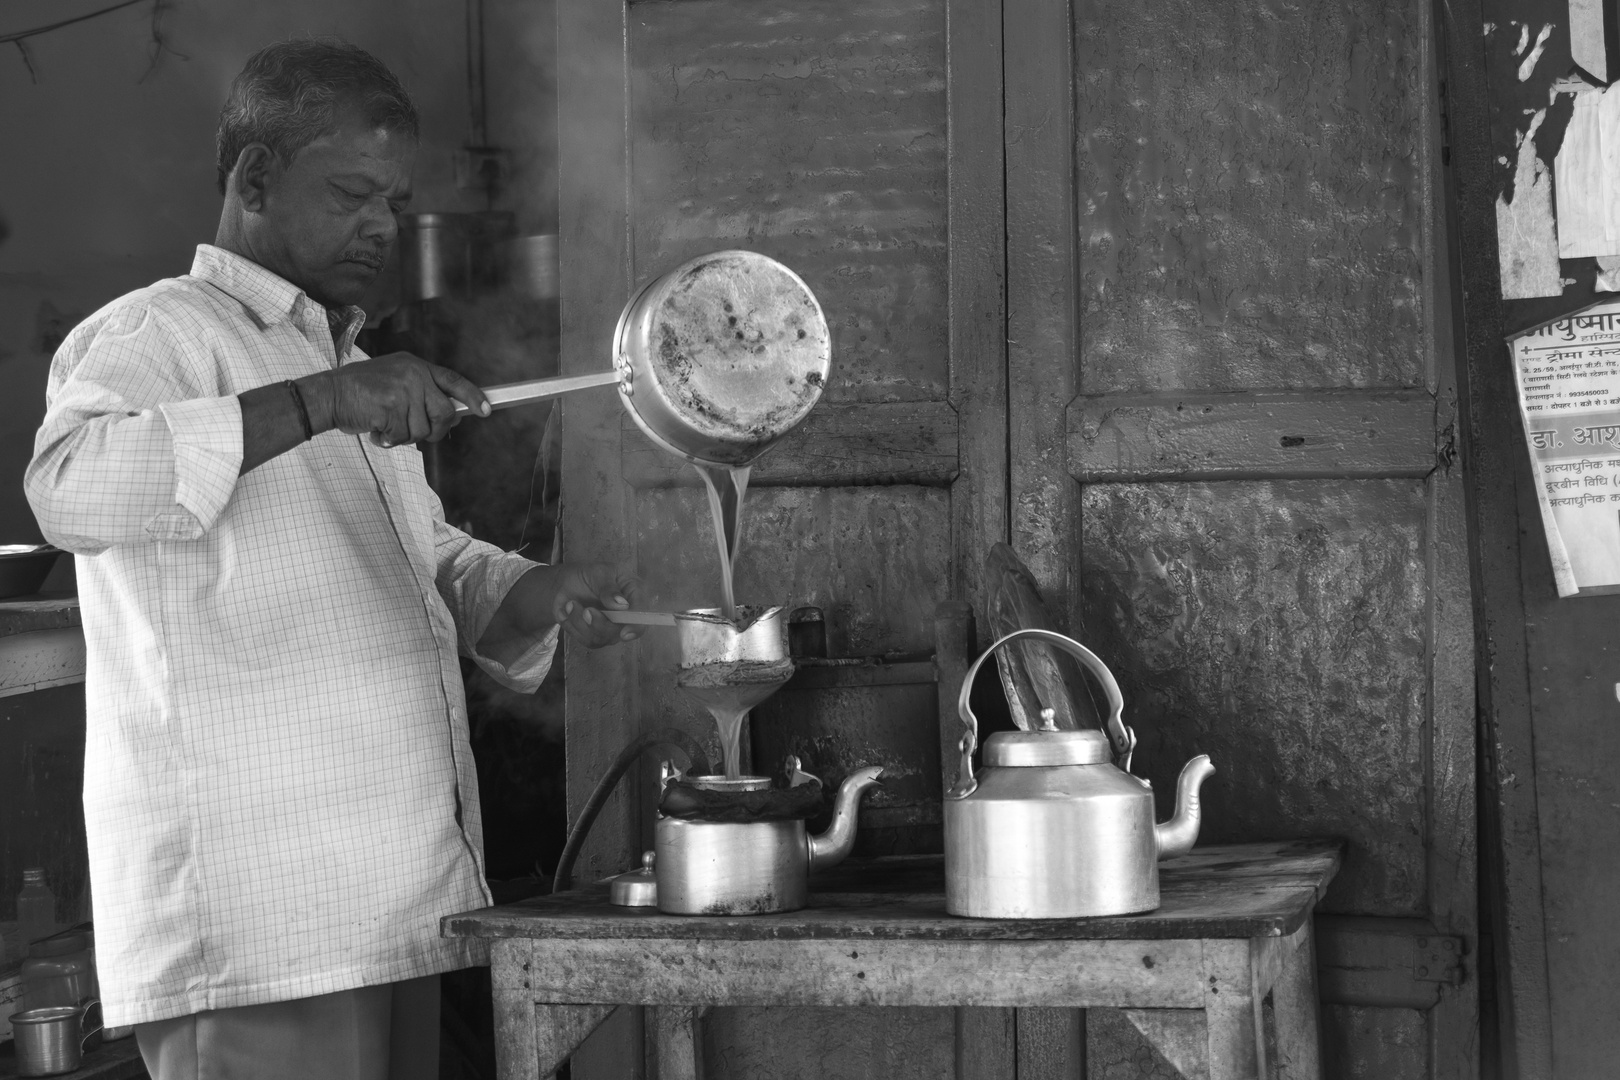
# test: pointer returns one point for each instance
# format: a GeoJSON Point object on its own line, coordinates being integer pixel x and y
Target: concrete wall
{"type": "Point", "coordinates": [107, 153]}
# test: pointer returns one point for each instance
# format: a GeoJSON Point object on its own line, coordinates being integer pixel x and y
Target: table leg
{"type": "Point", "coordinates": [677, 1043]}
{"type": "Point", "coordinates": [1294, 1001]}
{"type": "Point", "coordinates": [1232, 1012]}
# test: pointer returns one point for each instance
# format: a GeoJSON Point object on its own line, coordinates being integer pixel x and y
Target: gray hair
{"type": "Point", "coordinates": [289, 93]}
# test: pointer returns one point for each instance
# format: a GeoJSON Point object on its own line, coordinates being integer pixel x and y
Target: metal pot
{"type": "Point", "coordinates": [722, 356]}
{"type": "Point", "coordinates": [1054, 826]}
{"type": "Point", "coordinates": [753, 867]}
{"type": "Point", "coordinates": [707, 637]}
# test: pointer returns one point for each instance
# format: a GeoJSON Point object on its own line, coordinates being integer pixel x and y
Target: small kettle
{"type": "Point", "coordinates": [1054, 825]}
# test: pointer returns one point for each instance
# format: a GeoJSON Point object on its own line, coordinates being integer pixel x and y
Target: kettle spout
{"type": "Point", "coordinates": [1177, 836]}
{"type": "Point", "coordinates": [830, 848]}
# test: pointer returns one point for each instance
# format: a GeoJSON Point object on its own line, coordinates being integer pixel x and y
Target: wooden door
{"type": "Point", "coordinates": [822, 135]}
{"type": "Point", "coordinates": [1240, 316]}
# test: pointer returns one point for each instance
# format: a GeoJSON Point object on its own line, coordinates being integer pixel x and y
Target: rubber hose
{"type": "Point", "coordinates": [665, 737]}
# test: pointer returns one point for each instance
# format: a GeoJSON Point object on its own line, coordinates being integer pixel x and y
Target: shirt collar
{"type": "Point", "coordinates": [268, 297]}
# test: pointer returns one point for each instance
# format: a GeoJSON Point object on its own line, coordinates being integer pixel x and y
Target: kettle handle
{"type": "Point", "coordinates": [1120, 737]}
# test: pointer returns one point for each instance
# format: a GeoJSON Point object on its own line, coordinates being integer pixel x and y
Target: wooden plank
{"type": "Point", "coordinates": [595, 517]}
{"type": "Point", "coordinates": [38, 613]}
{"type": "Point", "coordinates": [1051, 1044]}
{"type": "Point", "coordinates": [558, 1032]}
{"type": "Point", "coordinates": [1491, 442]}
{"type": "Point", "coordinates": [595, 277]}
{"type": "Point", "coordinates": [1386, 963]}
{"type": "Point", "coordinates": [677, 1043]}
{"type": "Point", "coordinates": [986, 1043]}
{"type": "Point", "coordinates": [41, 659]}
{"type": "Point", "coordinates": [1294, 1001]}
{"type": "Point", "coordinates": [903, 442]}
{"type": "Point", "coordinates": [1451, 743]}
{"type": "Point", "coordinates": [977, 282]}
{"type": "Point", "coordinates": [1239, 891]}
{"type": "Point", "coordinates": [1181, 1037]}
{"type": "Point", "coordinates": [1250, 436]}
{"type": "Point", "coordinates": [863, 972]}
{"type": "Point", "coordinates": [1237, 1043]}
{"type": "Point", "coordinates": [844, 676]}
{"type": "Point", "coordinates": [1042, 306]}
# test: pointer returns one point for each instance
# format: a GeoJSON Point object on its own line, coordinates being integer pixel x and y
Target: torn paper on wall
{"type": "Point", "coordinates": [1587, 175]}
{"type": "Point", "coordinates": [1526, 236]}
{"type": "Point", "coordinates": [1568, 375]}
{"type": "Point", "coordinates": [1589, 38]}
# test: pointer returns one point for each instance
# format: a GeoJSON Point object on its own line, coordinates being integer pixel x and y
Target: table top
{"type": "Point", "coordinates": [1228, 891]}
{"type": "Point", "coordinates": [42, 611]}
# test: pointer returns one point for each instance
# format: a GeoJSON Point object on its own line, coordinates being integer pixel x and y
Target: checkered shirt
{"type": "Point", "coordinates": [279, 796]}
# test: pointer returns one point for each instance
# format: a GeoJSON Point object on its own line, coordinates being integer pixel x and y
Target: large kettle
{"type": "Point", "coordinates": [1053, 825]}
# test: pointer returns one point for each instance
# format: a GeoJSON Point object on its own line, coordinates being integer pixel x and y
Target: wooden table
{"type": "Point", "coordinates": [1235, 926]}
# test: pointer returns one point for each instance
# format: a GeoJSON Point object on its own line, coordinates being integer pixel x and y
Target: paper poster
{"type": "Point", "coordinates": [1587, 177]}
{"type": "Point", "coordinates": [1568, 375]}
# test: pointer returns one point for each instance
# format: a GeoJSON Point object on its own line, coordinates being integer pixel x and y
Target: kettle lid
{"type": "Point", "coordinates": [1047, 748]}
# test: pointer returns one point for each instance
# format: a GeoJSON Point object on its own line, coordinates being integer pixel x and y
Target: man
{"type": "Point", "coordinates": [279, 796]}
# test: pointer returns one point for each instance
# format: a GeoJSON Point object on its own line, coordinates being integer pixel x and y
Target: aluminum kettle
{"type": "Point", "coordinates": [1054, 825]}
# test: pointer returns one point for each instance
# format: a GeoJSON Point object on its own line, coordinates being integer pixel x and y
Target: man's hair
{"type": "Point", "coordinates": [289, 94]}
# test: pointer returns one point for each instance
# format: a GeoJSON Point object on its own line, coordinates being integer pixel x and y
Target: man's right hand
{"type": "Point", "coordinates": [399, 398]}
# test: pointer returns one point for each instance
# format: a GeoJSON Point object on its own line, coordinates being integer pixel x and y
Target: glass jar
{"type": "Point", "coordinates": [36, 908]}
{"type": "Point", "coordinates": [60, 970]}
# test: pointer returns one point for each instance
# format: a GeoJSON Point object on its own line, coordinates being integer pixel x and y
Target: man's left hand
{"type": "Point", "coordinates": [570, 595]}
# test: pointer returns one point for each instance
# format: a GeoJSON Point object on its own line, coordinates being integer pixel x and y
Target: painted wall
{"type": "Point", "coordinates": [107, 152]}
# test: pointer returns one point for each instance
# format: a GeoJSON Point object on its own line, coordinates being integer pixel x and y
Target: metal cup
{"type": "Point", "coordinates": [53, 1040]}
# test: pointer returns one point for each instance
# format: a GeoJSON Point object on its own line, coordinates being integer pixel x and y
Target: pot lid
{"type": "Point", "coordinates": [1046, 748]}
{"type": "Point", "coordinates": [638, 888]}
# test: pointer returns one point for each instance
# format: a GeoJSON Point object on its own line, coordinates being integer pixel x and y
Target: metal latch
{"type": "Point", "coordinates": [1437, 958]}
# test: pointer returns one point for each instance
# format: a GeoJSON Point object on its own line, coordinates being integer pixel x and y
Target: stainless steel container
{"type": "Point", "coordinates": [1054, 826]}
{"type": "Point", "coordinates": [754, 867]}
{"type": "Point", "coordinates": [722, 356]}
{"type": "Point", "coordinates": [435, 255]}
{"type": "Point", "coordinates": [531, 266]}
{"type": "Point", "coordinates": [53, 1040]}
{"type": "Point", "coordinates": [708, 637]}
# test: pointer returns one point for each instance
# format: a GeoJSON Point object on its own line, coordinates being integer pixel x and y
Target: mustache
{"type": "Point", "coordinates": [371, 258]}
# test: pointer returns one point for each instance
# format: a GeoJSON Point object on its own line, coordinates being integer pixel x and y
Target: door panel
{"type": "Point", "coordinates": [1269, 548]}
{"type": "Point", "coordinates": [815, 133]}
{"type": "Point", "coordinates": [1279, 628]}
{"type": "Point", "coordinates": [1250, 197]}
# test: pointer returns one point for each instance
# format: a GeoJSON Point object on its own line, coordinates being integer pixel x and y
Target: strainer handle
{"type": "Point", "coordinates": [1120, 737]}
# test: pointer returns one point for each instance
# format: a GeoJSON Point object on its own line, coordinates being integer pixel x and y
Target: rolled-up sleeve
{"type": "Point", "coordinates": [136, 445]}
{"type": "Point", "coordinates": [473, 579]}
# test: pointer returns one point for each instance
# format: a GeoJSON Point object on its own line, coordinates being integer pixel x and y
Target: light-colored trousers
{"type": "Point", "coordinates": [388, 1032]}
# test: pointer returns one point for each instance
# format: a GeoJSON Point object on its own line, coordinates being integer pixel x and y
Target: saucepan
{"type": "Point", "coordinates": [715, 360]}
{"type": "Point", "coordinates": [759, 635]}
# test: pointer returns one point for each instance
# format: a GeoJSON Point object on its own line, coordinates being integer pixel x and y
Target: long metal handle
{"type": "Point", "coordinates": [1122, 738]}
{"type": "Point", "coordinates": [507, 395]}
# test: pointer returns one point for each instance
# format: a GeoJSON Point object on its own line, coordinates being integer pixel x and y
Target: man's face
{"type": "Point", "coordinates": [326, 220]}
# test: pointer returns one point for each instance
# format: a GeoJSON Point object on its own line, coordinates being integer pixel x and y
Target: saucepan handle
{"type": "Point", "coordinates": [522, 393]}
{"type": "Point", "coordinates": [85, 1034]}
{"type": "Point", "coordinates": [1120, 737]}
